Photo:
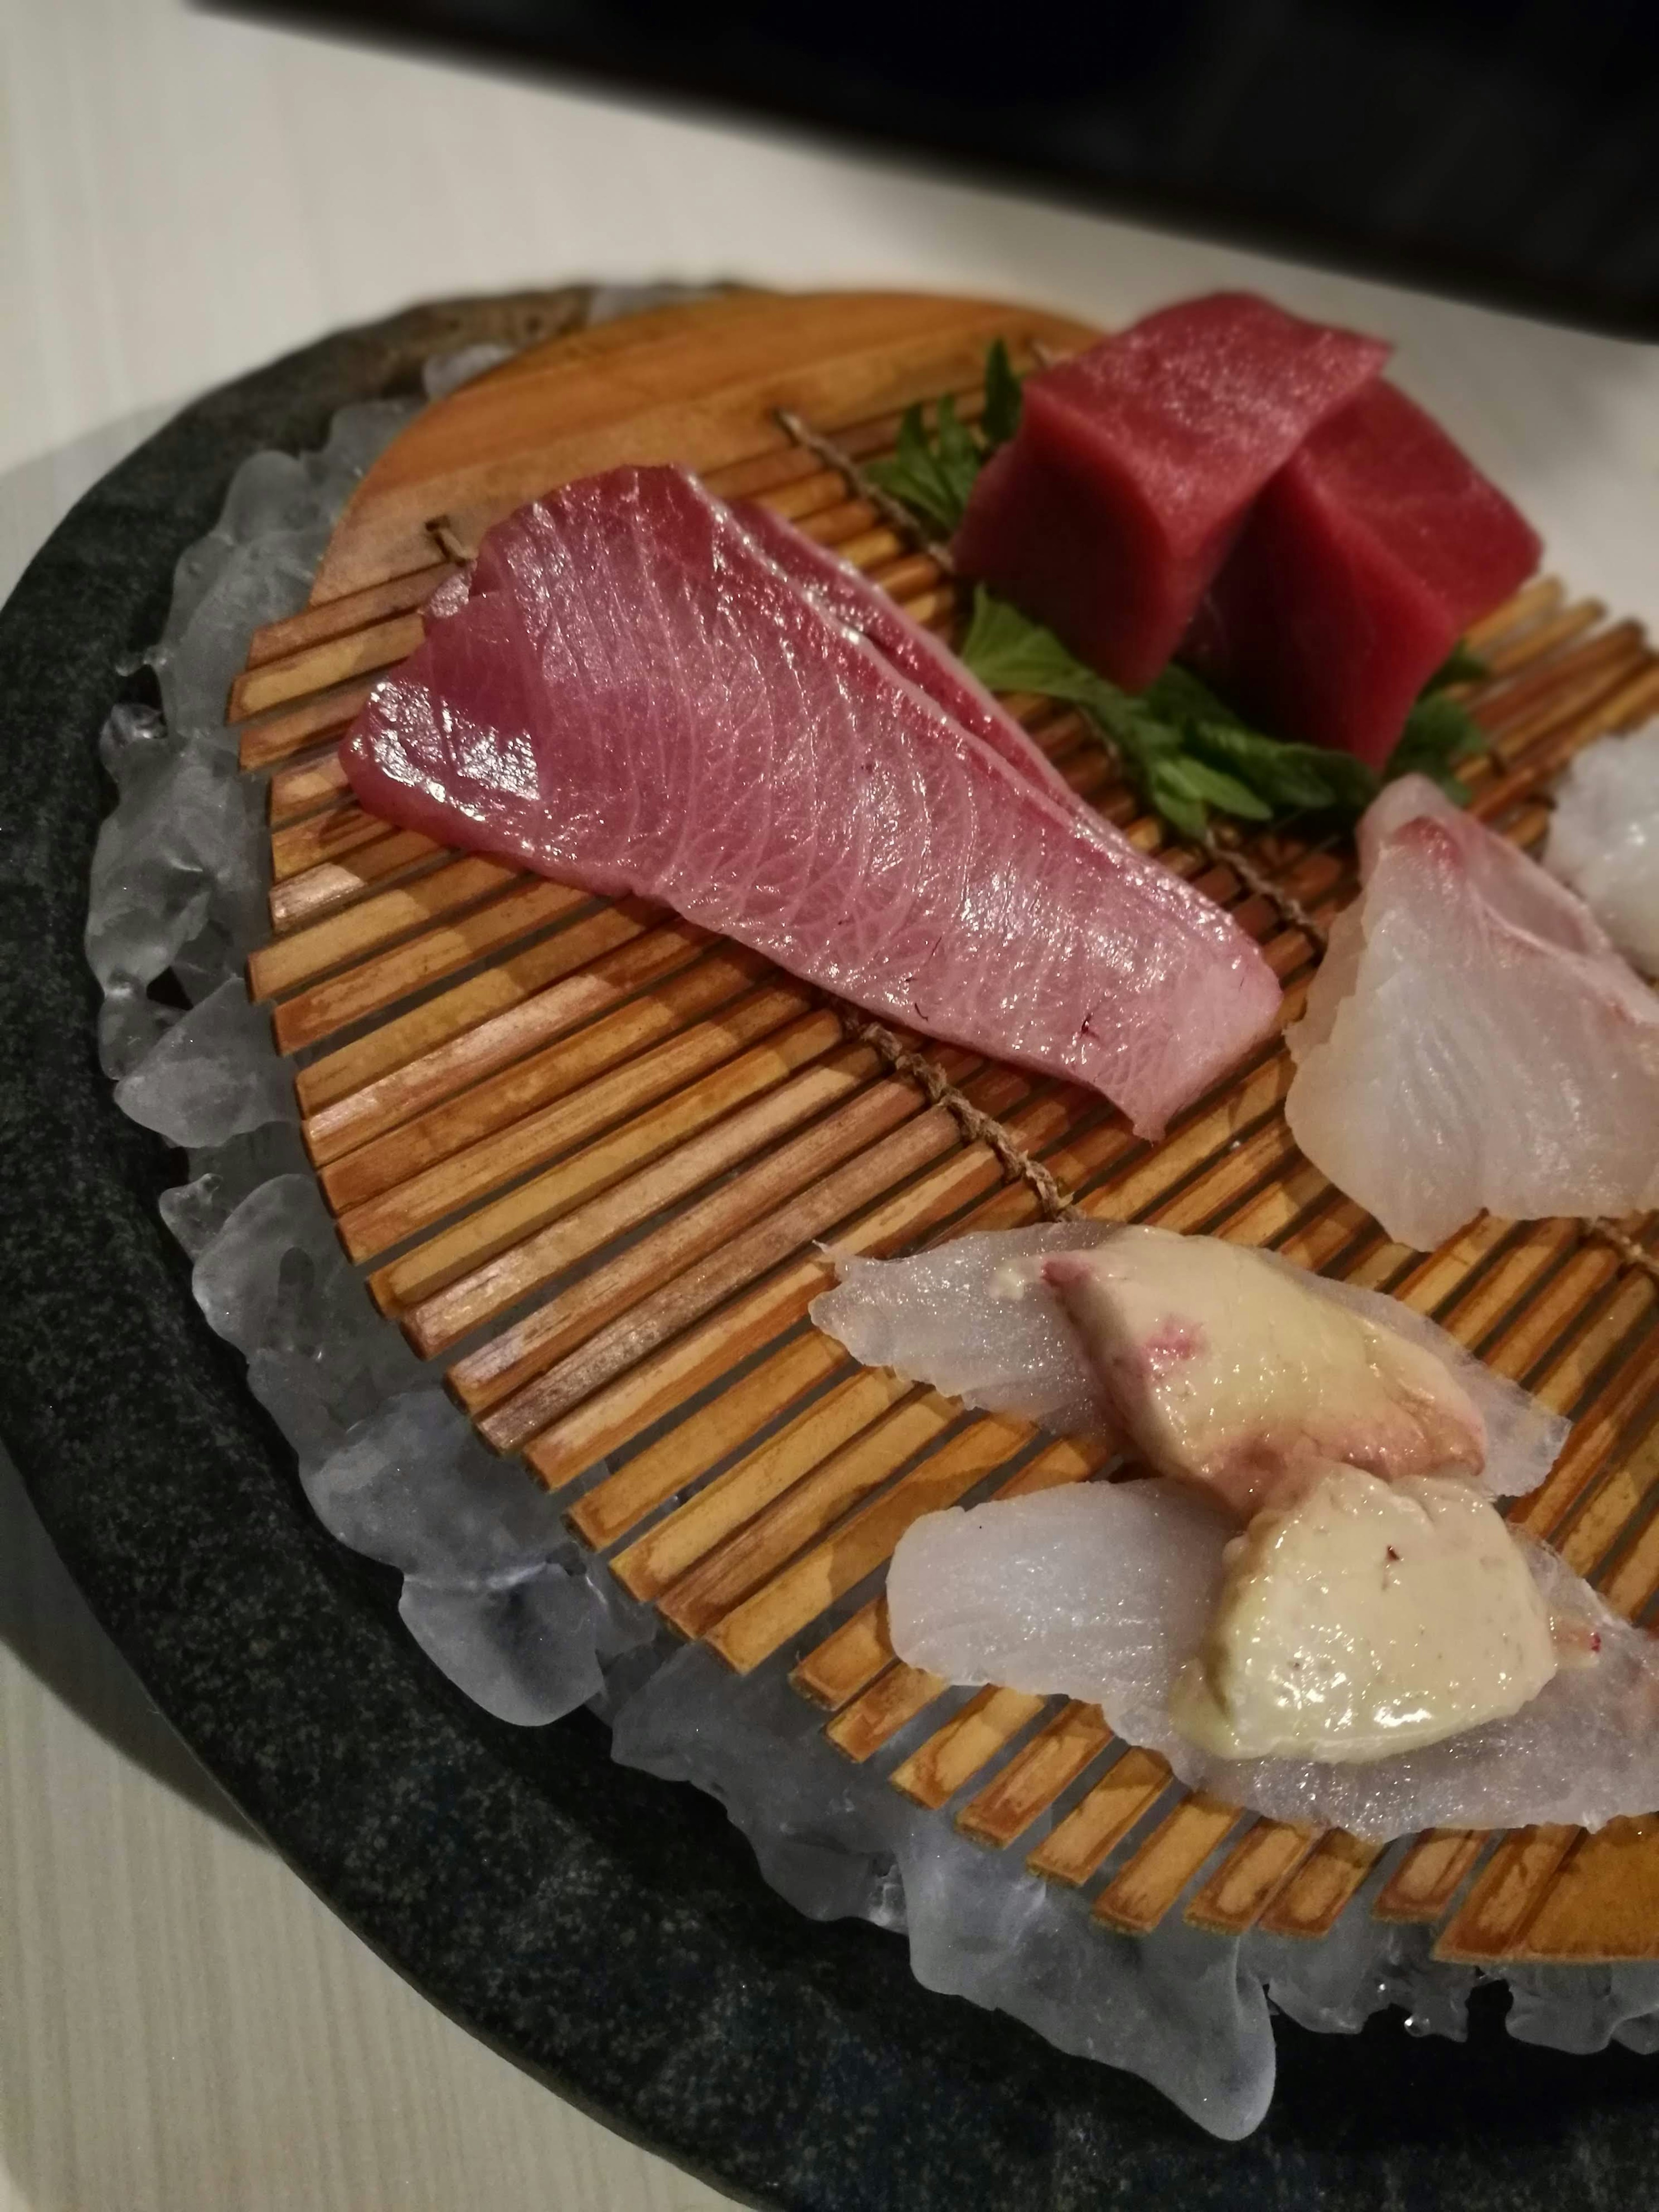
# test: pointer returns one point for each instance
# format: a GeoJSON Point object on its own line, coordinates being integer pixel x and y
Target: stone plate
{"type": "Point", "coordinates": [606, 1930]}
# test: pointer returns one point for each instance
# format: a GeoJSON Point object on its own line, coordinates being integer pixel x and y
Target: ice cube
{"type": "Point", "coordinates": [213, 1075]}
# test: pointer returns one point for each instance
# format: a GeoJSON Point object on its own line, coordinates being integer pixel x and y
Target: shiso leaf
{"type": "Point", "coordinates": [1186, 749]}
{"type": "Point", "coordinates": [1462, 664]}
{"type": "Point", "coordinates": [917, 475]}
{"type": "Point", "coordinates": [1000, 419]}
{"type": "Point", "coordinates": [1439, 732]}
{"type": "Point", "coordinates": [933, 477]}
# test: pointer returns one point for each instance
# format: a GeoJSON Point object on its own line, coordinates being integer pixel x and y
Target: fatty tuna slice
{"type": "Point", "coordinates": [636, 699]}
{"type": "Point", "coordinates": [1472, 1038]}
{"type": "Point", "coordinates": [915, 653]}
{"type": "Point", "coordinates": [1362, 563]}
{"type": "Point", "coordinates": [1135, 464]}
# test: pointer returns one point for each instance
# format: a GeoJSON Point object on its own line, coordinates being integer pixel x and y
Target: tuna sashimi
{"type": "Point", "coordinates": [1604, 840]}
{"type": "Point", "coordinates": [1473, 1039]}
{"type": "Point", "coordinates": [1105, 1593]}
{"type": "Point", "coordinates": [1228, 1368]}
{"type": "Point", "coordinates": [916, 653]}
{"type": "Point", "coordinates": [637, 698]}
{"type": "Point", "coordinates": [1134, 466]}
{"type": "Point", "coordinates": [1362, 563]}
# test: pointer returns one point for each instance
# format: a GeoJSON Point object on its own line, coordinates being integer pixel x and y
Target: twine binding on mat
{"type": "Point", "coordinates": [1231, 855]}
{"type": "Point", "coordinates": [891, 510]}
{"type": "Point", "coordinates": [979, 1128]}
{"type": "Point", "coordinates": [1633, 1254]}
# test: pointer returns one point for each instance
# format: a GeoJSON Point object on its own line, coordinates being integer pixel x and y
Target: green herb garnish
{"type": "Point", "coordinates": [1186, 749]}
{"type": "Point", "coordinates": [1000, 419]}
{"type": "Point", "coordinates": [1439, 732]}
{"type": "Point", "coordinates": [934, 475]}
{"type": "Point", "coordinates": [1460, 665]}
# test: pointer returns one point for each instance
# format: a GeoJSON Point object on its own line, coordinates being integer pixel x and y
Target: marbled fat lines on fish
{"type": "Point", "coordinates": [637, 698]}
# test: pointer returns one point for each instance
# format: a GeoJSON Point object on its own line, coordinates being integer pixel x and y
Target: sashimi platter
{"type": "Point", "coordinates": [916, 1048]}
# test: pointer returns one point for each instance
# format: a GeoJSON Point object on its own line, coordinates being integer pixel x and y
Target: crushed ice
{"type": "Point", "coordinates": [494, 1589]}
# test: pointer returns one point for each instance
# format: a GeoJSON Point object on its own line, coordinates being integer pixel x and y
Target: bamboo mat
{"type": "Point", "coordinates": [585, 1153]}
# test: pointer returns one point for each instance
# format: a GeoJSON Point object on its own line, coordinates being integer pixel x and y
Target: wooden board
{"type": "Point", "coordinates": [584, 1153]}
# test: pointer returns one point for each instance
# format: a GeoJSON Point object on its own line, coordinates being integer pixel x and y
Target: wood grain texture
{"type": "Point", "coordinates": [699, 383]}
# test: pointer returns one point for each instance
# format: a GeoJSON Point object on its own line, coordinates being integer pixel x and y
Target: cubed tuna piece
{"type": "Point", "coordinates": [1135, 465]}
{"type": "Point", "coordinates": [1363, 563]}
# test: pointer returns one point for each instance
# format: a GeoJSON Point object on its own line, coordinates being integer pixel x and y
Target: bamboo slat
{"type": "Point", "coordinates": [1043, 1771]}
{"type": "Point", "coordinates": [1138, 1897]}
{"type": "Point", "coordinates": [296, 792]}
{"type": "Point", "coordinates": [585, 970]}
{"type": "Point", "coordinates": [318, 890]}
{"type": "Point", "coordinates": [589, 1151]}
{"type": "Point", "coordinates": [616, 1505]}
{"type": "Point", "coordinates": [690, 1536]}
{"type": "Point", "coordinates": [1601, 1907]}
{"type": "Point", "coordinates": [468, 1144]}
{"type": "Point", "coordinates": [1429, 1875]}
{"type": "Point", "coordinates": [444, 1315]}
{"type": "Point", "coordinates": [850, 1658]}
{"type": "Point", "coordinates": [890, 1703]}
{"type": "Point", "coordinates": [1095, 1825]}
{"type": "Point", "coordinates": [953, 1754]}
{"type": "Point", "coordinates": [1252, 1877]}
{"type": "Point", "coordinates": [280, 736]}
{"type": "Point", "coordinates": [1322, 1887]}
{"type": "Point", "coordinates": [1505, 1895]}
{"type": "Point", "coordinates": [329, 835]}
{"type": "Point", "coordinates": [325, 1008]}
{"type": "Point", "coordinates": [333, 660]}
{"type": "Point", "coordinates": [346, 616]}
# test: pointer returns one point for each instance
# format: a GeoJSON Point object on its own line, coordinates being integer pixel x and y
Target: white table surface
{"type": "Point", "coordinates": [182, 2026]}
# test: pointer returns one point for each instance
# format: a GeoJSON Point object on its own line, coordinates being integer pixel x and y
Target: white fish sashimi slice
{"type": "Point", "coordinates": [970, 1318]}
{"type": "Point", "coordinates": [1101, 1593]}
{"type": "Point", "coordinates": [1604, 840]}
{"type": "Point", "coordinates": [1097, 1592]}
{"type": "Point", "coordinates": [1473, 1039]}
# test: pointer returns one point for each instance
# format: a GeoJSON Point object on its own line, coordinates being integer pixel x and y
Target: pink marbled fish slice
{"type": "Point", "coordinates": [915, 653]}
{"type": "Point", "coordinates": [635, 698]}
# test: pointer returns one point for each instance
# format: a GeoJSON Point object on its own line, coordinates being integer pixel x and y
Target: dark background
{"type": "Point", "coordinates": [1507, 149]}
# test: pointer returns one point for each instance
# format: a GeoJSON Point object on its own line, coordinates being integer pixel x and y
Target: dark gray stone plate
{"type": "Point", "coordinates": [608, 1932]}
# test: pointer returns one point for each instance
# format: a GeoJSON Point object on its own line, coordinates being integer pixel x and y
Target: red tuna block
{"type": "Point", "coordinates": [1363, 561]}
{"type": "Point", "coordinates": [1136, 463]}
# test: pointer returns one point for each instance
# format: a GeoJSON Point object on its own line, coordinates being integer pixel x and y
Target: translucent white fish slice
{"type": "Point", "coordinates": [1101, 1592]}
{"type": "Point", "coordinates": [973, 1318]}
{"type": "Point", "coordinates": [1604, 840]}
{"type": "Point", "coordinates": [1473, 1039]}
